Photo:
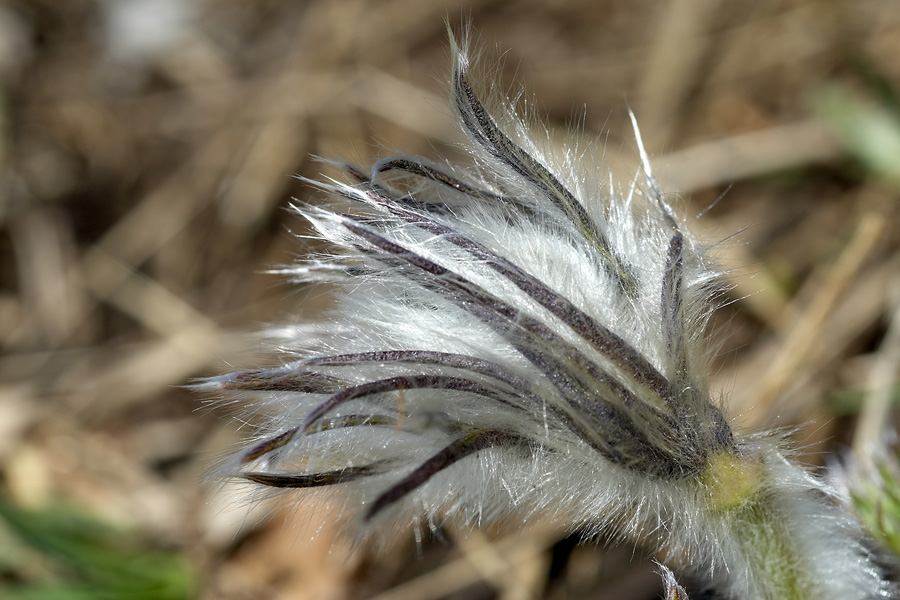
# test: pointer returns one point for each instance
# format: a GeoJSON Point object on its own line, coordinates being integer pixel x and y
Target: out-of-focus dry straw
{"type": "Point", "coordinates": [141, 196]}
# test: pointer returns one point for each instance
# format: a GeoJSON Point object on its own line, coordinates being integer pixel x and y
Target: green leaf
{"type": "Point", "coordinates": [870, 131]}
{"type": "Point", "coordinates": [59, 553]}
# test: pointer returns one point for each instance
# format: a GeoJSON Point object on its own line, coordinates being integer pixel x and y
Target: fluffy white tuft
{"type": "Point", "coordinates": [523, 338]}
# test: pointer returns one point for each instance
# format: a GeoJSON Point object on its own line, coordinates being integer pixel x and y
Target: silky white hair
{"type": "Point", "coordinates": [521, 336]}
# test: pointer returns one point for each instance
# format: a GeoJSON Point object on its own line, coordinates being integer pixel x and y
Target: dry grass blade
{"type": "Point", "coordinates": [803, 334]}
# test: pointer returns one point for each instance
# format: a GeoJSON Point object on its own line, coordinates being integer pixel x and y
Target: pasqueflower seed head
{"type": "Point", "coordinates": [522, 337]}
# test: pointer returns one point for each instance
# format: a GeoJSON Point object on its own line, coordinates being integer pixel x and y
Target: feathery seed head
{"type": "Point", "coordinates": [516, 337]}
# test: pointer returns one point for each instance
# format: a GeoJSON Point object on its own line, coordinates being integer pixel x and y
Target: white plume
{"type": "Point", "coordinates": [521, 337]}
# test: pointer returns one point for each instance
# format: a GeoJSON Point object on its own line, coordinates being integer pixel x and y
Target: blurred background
{"type": "Point", "coordinates": [147, 149]}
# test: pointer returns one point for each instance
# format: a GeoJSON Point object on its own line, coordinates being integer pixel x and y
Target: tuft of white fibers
{"type": "Point", "coordinates": [520, 338]}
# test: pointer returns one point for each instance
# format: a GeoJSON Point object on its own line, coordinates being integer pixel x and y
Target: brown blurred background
{"type": "Point", "coordinates": [147, 149]}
